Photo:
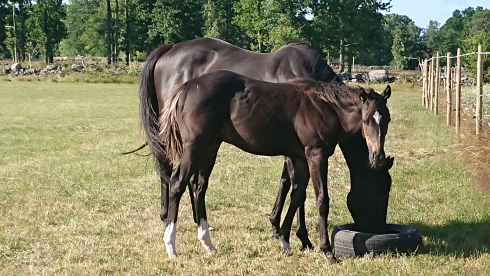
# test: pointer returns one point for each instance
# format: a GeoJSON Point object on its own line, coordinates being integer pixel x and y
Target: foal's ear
{"type": "Point", "coordinates": [389, 162]}
{"type": "Point", "coordinates": [363, 94]}
{"type": "Point", "coordinates": [387, 92]}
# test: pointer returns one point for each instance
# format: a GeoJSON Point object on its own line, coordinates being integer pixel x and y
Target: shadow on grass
{"type": "Point", "coordinates": [456, 238]}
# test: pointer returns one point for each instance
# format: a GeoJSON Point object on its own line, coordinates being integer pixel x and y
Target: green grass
{"type": "Point", "coordinates": [71, 205]}
{"type": "Point", "coordinates": [468, 95]}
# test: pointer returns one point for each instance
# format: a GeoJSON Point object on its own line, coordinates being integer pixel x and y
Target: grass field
{"type": "Point", "coordinates": [71, 205]}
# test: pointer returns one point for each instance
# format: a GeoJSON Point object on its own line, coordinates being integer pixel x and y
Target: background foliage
{"type": "Point", "coordinates": [124, 29]}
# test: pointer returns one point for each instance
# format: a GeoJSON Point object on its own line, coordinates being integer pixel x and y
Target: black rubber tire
{"type": "Point", "coordinates": [348, 243]}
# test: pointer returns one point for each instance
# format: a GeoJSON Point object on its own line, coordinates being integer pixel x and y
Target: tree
{"type": "Point", "coordinates": [454, 31]}
{"type": "Point", "coordinates": [46, 26]}
{"type": "Point", "coordinates": [174, 21]}
{"type": "Point", "coordinates": [352, 26]}
{"type": "Point", "coordinates": [249, 16]}
{"type": "Point", "coordinates": [478, 34]}
{"type": "Point", "coordinates": [109, 30]}
{"type": "Point", "coordinates": [431, 37]}
{"type": "Point", "coordinates": [407, 41]}
{"type": "Point", "coordinates": [88, 38]}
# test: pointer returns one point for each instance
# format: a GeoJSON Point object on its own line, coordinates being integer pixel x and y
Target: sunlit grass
{"type": "Point", "coordinates": [72, 205]}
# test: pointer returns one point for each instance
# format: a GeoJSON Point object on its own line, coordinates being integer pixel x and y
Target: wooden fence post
{"type": "Point", "coordinates": [448, 89]}
{"type": "Point", "coordinates": [437, 84]}
{"type": "Point", "coordinates": [458, 91]}
{"type": "Point", "coordinates": [431, 84]}
{"type": "Point", "coordinates": [425, 77]}
{"type": "Point", "coordinates": [479, 89]}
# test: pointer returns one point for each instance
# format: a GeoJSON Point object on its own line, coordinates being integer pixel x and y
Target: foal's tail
{"type": "Point", "coordinates": [149, 103]}
{"type": "Point", "coordinates": [170, 133]}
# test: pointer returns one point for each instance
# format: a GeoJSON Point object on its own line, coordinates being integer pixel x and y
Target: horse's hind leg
{"type": "Point", "coordinates": [179, 180]}
{"type": "Point", "coordinates": [206, 164]}
{"type": "Point", "coordinates": [165, 170]}
{"type": "Point", "coordinates": [298, 196]}
{"type": "Point", "coordinates": [284, 185]}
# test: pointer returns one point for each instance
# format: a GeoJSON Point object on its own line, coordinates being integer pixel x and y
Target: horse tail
{"type": "Point", "coordinates": [149, 103]}
{"type": "Point", "coordinates": [170, 133]}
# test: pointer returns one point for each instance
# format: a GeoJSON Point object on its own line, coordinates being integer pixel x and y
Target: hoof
{"type": "Point", "coordinates": [307, 247]}
{"type": "Point", "coordinates": [330, 258]}
{"type": "Point", "coordinates": [172, 256]}
{"type": "Point", "coordinates": [285, 245]}
{"type": "Point", "coordinates": [211, 228]}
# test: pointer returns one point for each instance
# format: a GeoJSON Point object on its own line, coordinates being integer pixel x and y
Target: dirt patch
{"type": "Point", "coordinates": [476, 152]}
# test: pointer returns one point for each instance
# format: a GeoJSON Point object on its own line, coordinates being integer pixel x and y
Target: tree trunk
{"type": "Point", "coordinates": [227, 20]}
{"type": "Point", "coordinates": [349, 65]}
{"type": "Point", "coordinates": [127, 36]}
{"type": "Point", "coordinates": [22, 34]}
{"type": "Point", "coordinates": [341, 55]}
{"type": "Point", "coordinates": [259, 36]}
{"type": "Point", "coordinates": [116, 33]}
{"type": "Point", "coordinates": [47, 38]}
{"type": "Point", "coordinates": [109, 31]}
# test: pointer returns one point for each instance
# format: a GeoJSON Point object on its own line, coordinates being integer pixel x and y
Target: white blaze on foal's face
{"type": "Point", "coordinates": [377, 119]}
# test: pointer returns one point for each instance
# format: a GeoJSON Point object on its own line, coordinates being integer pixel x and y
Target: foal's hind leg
{"type": "Point", "coordinates": [206, 164]}
{"type": "Point", "coordinates": [179, 181]}
{"type": "Point", "coordinates": [288, 178]}
{"type": "Point", "coordinates": [284, 185]}
{"type": "Point", "coordinates": [165, 170]}
{"type": "Point", "coordinates": [298, 196]}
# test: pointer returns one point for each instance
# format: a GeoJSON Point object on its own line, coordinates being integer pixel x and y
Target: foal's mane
{"type": "Point", "coordinates": [330, 92]}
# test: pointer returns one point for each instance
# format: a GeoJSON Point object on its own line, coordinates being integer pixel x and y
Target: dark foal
{"type": "Point", "coordinates": [302, 119]}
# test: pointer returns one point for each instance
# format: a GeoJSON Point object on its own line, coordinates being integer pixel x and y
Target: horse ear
{"type": "Point", "coordinates": [363, 94]}
{"type": "Point", "coordinates": [389, 162]}
{"type": "Point", "coordinates": [387, 92]}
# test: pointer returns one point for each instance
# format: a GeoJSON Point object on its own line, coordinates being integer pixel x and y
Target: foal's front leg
{"type": "Point", "coordinates": [318, 166]}
{"type": "Point", "coordinates": [298, 197]}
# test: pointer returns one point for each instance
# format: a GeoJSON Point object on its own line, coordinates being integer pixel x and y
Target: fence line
{"type": "Point", "coordinates": [431, 84]}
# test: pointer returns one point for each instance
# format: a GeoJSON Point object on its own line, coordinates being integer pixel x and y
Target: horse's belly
{"type": "Point", "coordinates": [263, 138]}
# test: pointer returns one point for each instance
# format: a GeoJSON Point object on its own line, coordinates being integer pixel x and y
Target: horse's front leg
{"type": "Point", "coordinates": [318, 166]}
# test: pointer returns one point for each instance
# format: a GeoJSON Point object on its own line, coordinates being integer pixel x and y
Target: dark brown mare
{"type": "Point", "coordinates": [302, 119]}
{"type": "Point", "coordinates": [170, 65]}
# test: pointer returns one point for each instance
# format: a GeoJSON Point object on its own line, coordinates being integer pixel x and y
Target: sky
{"type": "Point", "coordinates": [422, 11]}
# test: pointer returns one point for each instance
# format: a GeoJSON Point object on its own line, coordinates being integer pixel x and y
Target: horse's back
{"type": "Point", "coordinates": [256, 116]}
{"type": "Point", "coordinates": [190, 59]}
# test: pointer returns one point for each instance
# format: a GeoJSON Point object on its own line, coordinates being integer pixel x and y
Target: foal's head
{"type": "Point", "coordinates": [375, 119]}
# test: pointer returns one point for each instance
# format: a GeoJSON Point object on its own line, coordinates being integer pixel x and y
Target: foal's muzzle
{"type": "Point", "coordinates": [377, 160]}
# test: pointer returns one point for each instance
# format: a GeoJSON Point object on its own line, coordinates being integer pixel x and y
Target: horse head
{"type": "Point", "coordinates": [368, 198]}
{"type": "Point", "coordinates": [375, 119]}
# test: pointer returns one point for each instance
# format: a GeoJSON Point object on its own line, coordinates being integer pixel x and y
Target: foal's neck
{"type": "Point", "coordinates": [350, 118]}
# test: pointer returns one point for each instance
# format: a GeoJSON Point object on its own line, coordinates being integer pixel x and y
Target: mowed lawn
{"type": "Point", "coordinates": [70, 204]}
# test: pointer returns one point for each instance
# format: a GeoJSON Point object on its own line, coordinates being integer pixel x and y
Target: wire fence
{"type": "Point", "coordinates": [442, 87]}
